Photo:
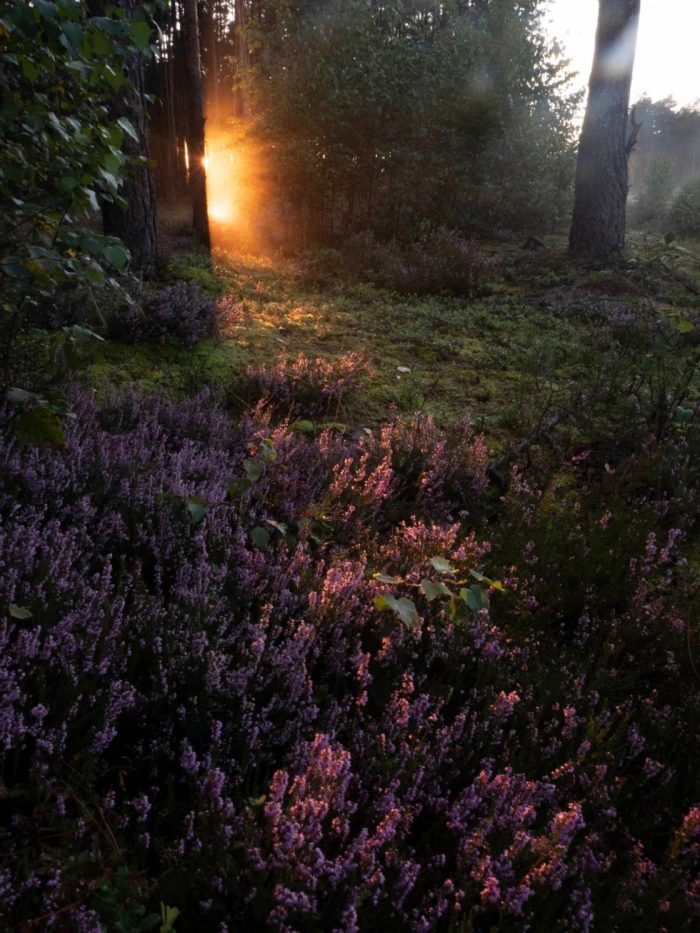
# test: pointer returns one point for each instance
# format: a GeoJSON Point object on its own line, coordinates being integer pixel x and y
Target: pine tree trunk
{"type": "Point", "coordinates": [196, 138]}
{"type": "Point", "coordinates": [602, 183]}
{"type": "Point", "coordinates": [136, 226]}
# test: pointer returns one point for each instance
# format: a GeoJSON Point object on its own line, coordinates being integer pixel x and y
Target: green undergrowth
{"type": "Point", "coordinates": [536, 342]}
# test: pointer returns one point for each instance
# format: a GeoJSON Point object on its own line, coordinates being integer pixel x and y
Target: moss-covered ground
{"type": "Point", "coordinates": [536, 334]}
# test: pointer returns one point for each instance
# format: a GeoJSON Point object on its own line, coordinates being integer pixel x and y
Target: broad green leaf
{"type": "Point", "coordinates": [118, 256]}
{"type": "Point", "coordinates": [19, 612]}
{"type": "Point", "coordinates": [48, 10]}
{"type": "Point", "coordinates": [433, 590]}
{"type": "Point", "coordinates": [403, 607]}
{"type": "Point", "coordinates": [475, 597]}
{"type": "Point", "coordinates": [30, 69]}
{"type": "Point", "coordinates": [278, 525]}
{"type": "Point", "coordinates": [82, 334]}
{"type": "Point", "coordinates": [267, 450]}
{"type": "Point", "coordinates": [384, 578]}
{"type": "Point", "coordinates": [303, 427]}
{"type": "Point", "coordinates": [441, 565]}
{"type": "Point", "coordinates": [141, 33]}
{"type": "Point", "coordinates": [254, 469]}
{"type": "Point", "coordinates": [684, 415]}
{"type": "Point", "coordinates": [197, 508]}
{"type": "Point", "coordinates": [128, 128]}
{"type": "Point", "coordinates": [238, 485]}
{"type": "Point", "coordinates": [260, 537]}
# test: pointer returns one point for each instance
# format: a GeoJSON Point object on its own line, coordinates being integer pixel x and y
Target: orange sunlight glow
{"type": "Point", "coordinates": [226, 186]}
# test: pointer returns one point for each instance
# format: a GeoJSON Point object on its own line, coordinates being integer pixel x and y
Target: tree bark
{"type": "Point", "coordinates": [136, 226]}
{"type": "Point", "coordinates": [196, 138]}
{"type": "Point", "coordinates": [602, 183]}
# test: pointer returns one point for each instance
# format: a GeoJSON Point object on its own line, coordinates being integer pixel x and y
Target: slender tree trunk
{"type": "Point", "coordinates": [195, 140]}
{"type": "Point", "coordinates": [242, 57]}
{"type": "Point", "coordinates": [209, 35]}
{"type": "Point", "coordinates": [602, 183]}
{"type": "Point", "coordinates": [136, 226]}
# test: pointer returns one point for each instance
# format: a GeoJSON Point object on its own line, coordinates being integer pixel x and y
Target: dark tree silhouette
{"type": "Point", "coordinates": [195, 139]}
{"type": "Point", "coordinates": [598, 225]}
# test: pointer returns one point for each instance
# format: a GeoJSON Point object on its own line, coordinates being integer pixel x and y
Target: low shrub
{"type": "Point", "coordinates": [306, 387]}
{"type": "Point", "coordinates": [180, 311]}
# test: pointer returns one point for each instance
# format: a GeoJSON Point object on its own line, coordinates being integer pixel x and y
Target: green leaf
{"type": "Point", "coordinates": [684, 415]}
{"type": "Point", "coordinates": [82, 334]}
{"type": "Point", "coordinates": [384, 578]}
{"type": "Point", "coordinates": [278, 525]}
{"type": "Point", "coordinates": [267, 450]}
{"type": "Point", "coordinates": [47, 10]}
{"type": "Point", "coordinates": [30, 70]}
{"type": "Point", "coordinates": [475, 597]}
{"type": "Point", "coordinates": [238, 485]}
{"type": "Point", "coordinates": [303, 427]}
{"type": "Point", "coordinates": [403, 608]}
{"type": "Point", "coordinates": [20, 396]}
{"type": "Point", "coordinates": [141, 33]}
{"type": "Point", "coordinates": [197, 508]}
{"type": "Point", "coordinates": [442, 565]}
{"type": "Point", "coordinates": [260, 537]}
{"type": "Point", "coordinates": [168, 915]}
{"type": "Point", "coordinates": [433, 590]}
{"type": "Point", "coordinates": [18, 612]}
{"type": "Point", "coordinates": [41, 427]}
{"type": "Point", "coordinates": [94, 274]}
{"type": "Point", "coordinates": [118, 256]}
{"type": "Point", "coordinates": [254, 469]}
{"type": "Point", "coordinates": [128, 128]}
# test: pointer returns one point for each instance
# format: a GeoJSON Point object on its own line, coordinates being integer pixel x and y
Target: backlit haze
{"type": "Point", "coordinates": [667, 62]}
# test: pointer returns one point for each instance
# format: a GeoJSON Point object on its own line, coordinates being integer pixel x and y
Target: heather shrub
{"type": "Point", "coordinates": [306, 387]}
{"type": "Point", "coordinates": [685, 209]}
{"type": "Point", "coordinates": [203, 678]}
{"type": "Point", "coordinates": [180, 311]}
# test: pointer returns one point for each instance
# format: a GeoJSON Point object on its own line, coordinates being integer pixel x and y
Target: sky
{"type": "Point", "coordinates": [668, 58]}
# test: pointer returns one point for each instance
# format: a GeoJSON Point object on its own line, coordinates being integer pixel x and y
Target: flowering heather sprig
{"type": "Point", "coordinates": [307, 387]}
{"type": "Point", "coordinates": [179, 311]}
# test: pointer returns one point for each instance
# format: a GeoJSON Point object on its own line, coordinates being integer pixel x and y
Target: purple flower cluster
{"type": "Point", "coordinates": [180, 311]}
{"type": "Point", "coordinates": [307, 387]}
{"type": "Point", "coordinates": [231, 716]}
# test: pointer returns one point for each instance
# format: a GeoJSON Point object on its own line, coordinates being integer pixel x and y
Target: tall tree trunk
{"type": "Point", "coordinates": [136, 225]}
{"type": "Point", "coordinates": [242, 57]}
{"type": "Point", "coordinates": [209, 35]}
{"type": "Point", "coordinates": [195, 140]}
{"type": "Point", "coordinates": [598, 225]}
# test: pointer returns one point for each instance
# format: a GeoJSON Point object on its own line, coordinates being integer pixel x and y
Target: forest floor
{"type": "Point", "coordinates": [532, 343]}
